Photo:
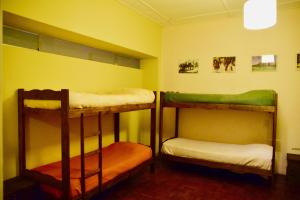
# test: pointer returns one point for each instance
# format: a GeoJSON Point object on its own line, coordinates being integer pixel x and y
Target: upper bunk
{"type": "Point", "coordinates": [254, 100]}
{"type": "Point", "coordinates": [89, 104]}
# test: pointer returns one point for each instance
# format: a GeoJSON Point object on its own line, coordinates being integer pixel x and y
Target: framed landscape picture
{"type": "Point", "coordinates": [224, 64]}
{"type": "Point", "coordinates": [298, 61]}
{"type": "Point", "coordinates": [188, 66]}
{"type": "Point", "coordinates": [264, 63]}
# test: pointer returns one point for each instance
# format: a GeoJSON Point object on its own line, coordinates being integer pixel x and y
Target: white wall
{"type": "Point", "coordinates": [225, 36]}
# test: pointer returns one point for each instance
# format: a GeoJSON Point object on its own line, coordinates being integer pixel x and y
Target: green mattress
{"type": "Point", "coordinates": [253, 97]}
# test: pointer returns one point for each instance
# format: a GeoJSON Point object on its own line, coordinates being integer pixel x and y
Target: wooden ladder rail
{"type": "Point", "coordinates": [83, 156]}
{"type": "Point", "coordinates": [100, 151]}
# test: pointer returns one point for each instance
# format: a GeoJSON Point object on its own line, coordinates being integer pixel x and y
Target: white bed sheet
{"type": "Point", "coordinates": [254, 155]}
{"type": "Point", "coordinates": [87, 100]}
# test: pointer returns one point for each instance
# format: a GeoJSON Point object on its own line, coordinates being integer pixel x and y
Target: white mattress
{"type": "Point", "coordinates": [254, 155]}
{"type": "Point", "coordinates": [86, 100]}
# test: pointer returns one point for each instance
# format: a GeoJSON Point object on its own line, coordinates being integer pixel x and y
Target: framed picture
{"type": "Point", "coordinates": [224, 64]}
{"type": "Point", "coordinates": [264, 63]}
{"type": "Point", "coordinates": [298, 61]}
{"type": "Point", "coordinates": [188, 66]}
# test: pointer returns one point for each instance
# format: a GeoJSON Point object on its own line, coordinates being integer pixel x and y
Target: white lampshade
{"type": "Point", "coordinates": [260, 14]}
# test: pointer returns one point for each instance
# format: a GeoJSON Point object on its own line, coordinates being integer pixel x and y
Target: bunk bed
{"type": "Point", "coordinates": [250, 158]}
{"type": "Point", "coordinates": [83, 176]}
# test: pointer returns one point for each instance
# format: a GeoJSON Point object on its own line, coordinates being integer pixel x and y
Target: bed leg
{"type": "Point", "coordinates": [152, 138]}
{"type": "Point", "coordinates": [271, 180]}
{"type": "Point", "coordinates": [65, 144]}
{"type": "Point", "coordinates": [152, 167]}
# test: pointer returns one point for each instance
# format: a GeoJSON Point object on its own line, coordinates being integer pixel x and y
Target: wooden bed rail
{"type": "Point", "coordinates": [83, 155]}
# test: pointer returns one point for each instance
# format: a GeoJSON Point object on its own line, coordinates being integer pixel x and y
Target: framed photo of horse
{"type": "Point", "coordinates": [188, 66]}
{"type": "Point", "coordinates": [224, 64]}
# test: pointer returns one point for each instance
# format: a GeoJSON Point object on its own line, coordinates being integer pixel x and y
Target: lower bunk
{"type": "Point", "coordinates": [249, 158]}
{"type": "Point", "coordinates": [119, 160]}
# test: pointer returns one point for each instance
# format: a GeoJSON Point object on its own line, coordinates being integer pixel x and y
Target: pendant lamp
{"type": "Point", "coordinates": [260, 14]}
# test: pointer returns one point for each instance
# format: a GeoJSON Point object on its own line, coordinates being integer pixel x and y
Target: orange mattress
{"type": "Point", "coordinates": [117, 158]}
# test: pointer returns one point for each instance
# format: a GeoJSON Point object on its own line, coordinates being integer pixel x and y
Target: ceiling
{"type": "Point", "coordinates": [168, 12]}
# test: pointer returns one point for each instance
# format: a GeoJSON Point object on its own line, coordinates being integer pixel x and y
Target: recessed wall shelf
{"type": "Point", "coordinates": [23, 23]}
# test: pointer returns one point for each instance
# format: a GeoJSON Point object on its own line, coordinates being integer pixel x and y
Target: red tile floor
{"type": "Point", "coordinates": [188, 182]}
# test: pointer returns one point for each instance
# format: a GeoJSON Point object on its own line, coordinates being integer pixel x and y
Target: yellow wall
{"type": "Point", "coordinates": [105, 20]}
{"type": "Point", "coordinates": [225, 36]}
{"type": "Point", "coordinates": [1, 90]}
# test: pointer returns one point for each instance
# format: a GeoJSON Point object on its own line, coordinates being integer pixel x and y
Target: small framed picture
{"type": "Point", "coordinates": [298, 61]}
{"type": "Point", "coordinates": [264, 63]}
{"type": "Point", "coordinates": [224, 64]}
{"type": "Point", "coordinates": [188, 66]}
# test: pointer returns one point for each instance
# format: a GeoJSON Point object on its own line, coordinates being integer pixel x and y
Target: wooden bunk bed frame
{"type": "Point", "coordinates": [268, 174]}
{"type": "Point", "coordinates": [65, 114]}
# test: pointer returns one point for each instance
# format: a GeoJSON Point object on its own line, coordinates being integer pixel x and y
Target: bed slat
{"type": "Point", "coordinates": [92, 135]}
{"type": "Point", "coordinates": [92, 173]}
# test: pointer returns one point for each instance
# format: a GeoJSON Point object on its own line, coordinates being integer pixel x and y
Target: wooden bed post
{"type": "Point", "coordinates": [82, 157]}
{"type": "Point", "coordinates": [274, 131]}
{"type": "Point", "coordinates": [21, 129]}
{"type": "Point", "coordinates": [117, 126]}
{"type": "Point", "coordinates": [65, 144]}
{"type": "Point", "coordinates": [100, 151]}
{"type": "Point", "coordinates": [161, 120]}
{"type": "Point", "coordinates": [153, 132]}
{"type": "Point", "coordinates": [176, 121]}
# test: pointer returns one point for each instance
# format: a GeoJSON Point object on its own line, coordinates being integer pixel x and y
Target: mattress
{"type": "Point", "coordinates": [117, 159]}
{"type": "Point", "coordinates": [253, 97]}
{"type": "Point", "coordinates": [90, 100]}
{"type": "Point", "coordinates": [253, 155]}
